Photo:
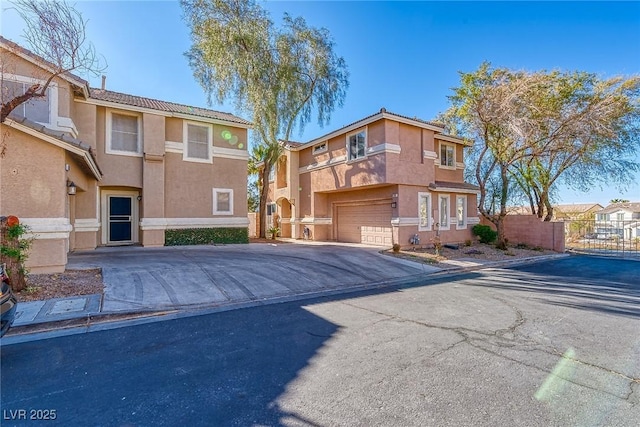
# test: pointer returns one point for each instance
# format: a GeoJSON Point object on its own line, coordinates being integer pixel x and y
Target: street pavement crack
{"type": "Point", "coordinates": [498, 338]}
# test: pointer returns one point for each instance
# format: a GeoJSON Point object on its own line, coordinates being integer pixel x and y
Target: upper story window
{"type": "Point", "coordinates": [124, 134]}
{"type": "Point", "coordinates": [447, 155]}
{"type": "Point", "coordinates": [37, 108]}
{"type": "Point", "coordinates": [602, 217]}
{"type": "Point", "coordinates": [357, 145]}
{"type": "Point", "coordinates": [198, 140]}
{"type": "Point", "coordinates": [272, 173]}
{"type": "Point", "coordinates": [320, 148]}
{"type": "Point", "coordinates": [620, 216]}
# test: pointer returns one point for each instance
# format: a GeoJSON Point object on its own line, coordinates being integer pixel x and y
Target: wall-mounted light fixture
{"type": "Point", "coordinates": [394, 205]}
{"type": "Point", "coordinates": [139, 198]}
{"type": "Point", "coordinates": [71, 188]}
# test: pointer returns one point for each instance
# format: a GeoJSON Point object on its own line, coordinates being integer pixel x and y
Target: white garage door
{"type": "Point", "coordinates": [370, 224]}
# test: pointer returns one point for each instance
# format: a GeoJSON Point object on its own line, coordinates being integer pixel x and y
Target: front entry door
{"type": "Point", "coordinates": [120, 219]}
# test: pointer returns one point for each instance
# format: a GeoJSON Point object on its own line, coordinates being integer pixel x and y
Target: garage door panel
{"type": "Point", "coordinates": [366, 223]}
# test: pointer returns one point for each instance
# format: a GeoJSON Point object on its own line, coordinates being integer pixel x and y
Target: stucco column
{"type": "Point", "coordinates": [152, 205]}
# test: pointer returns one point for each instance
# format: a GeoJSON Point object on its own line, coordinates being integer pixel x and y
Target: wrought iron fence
{"type": "Point", "coordinates": [615, 238]}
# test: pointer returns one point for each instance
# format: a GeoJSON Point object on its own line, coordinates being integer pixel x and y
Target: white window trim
{"type": "Point", "coordinates": [185, 134]}
{"type": "Point", "coordinates": [320, 148]}
{"type": "Point", "coordinates": [429, 204]}
{"type": "Point", "coordinates": [107, 144]}
{"type": "Point", "coordinates": [440, 165]}
{"type": "Point", "coordinates": [53, 97]}
{"type": "Point", "coordinates": [440, 198]}
{"type": "Point", "coordinates": [215, 201]}
{"type": "Point", "coordinates": [366, 145]}
{"type": "Point", "coordinates": [464, 213]}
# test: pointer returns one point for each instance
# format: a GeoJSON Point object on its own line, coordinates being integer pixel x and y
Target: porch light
{"type": "Point", "coordinates": [394, 205]}
{"type": "Point", "coordinates": [71, 188]}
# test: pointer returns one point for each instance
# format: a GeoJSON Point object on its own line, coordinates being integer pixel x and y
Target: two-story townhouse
{"type": "Point", "coordinates": [618, 220]}
{"type": "Point", "coordinates": [381, 180]}
{"type": "Point", "coordinates": [85, 167]}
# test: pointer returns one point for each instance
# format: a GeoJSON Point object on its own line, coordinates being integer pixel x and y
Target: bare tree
{"type": "Point", "coordinates": [55, 31]}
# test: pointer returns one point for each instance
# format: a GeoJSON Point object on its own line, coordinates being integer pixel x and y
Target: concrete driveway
{"type": "Point", "coordinates": [155, 278]}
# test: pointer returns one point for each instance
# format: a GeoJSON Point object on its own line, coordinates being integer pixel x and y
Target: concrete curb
{"type": "Point", "coordinates": [113, 320]}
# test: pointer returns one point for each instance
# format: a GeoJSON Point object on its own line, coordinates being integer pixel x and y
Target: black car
{"type": "Point", "coordinates": [8, 303]}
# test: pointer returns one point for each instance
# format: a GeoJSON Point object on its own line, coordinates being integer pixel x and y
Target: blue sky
{"type": "Point", "coordinates": [404, 56]}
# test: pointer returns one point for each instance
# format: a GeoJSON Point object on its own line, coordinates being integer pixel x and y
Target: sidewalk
{"type": "Point", "coordinates": [39, 316]}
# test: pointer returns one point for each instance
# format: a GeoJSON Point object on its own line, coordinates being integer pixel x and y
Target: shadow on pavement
{"type": "Point", "coordinates": [605, 285]}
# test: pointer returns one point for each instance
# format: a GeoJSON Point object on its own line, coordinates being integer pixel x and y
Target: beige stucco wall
{"type": "Point", "coordinates": [33, 186]}
{"type": "Point", "coordinates": [33, 178]}
{"type": "Point", "coordinates": [117, 170]}
{"type": "Point", "coordinates": [189, 186]}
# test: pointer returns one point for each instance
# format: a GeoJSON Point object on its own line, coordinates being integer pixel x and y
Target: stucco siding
{"type": "Point", "coordinates": [32, 177]}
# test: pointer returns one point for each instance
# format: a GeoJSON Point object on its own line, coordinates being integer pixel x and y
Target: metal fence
{"type": "Point", "coordinates": [615, 238]}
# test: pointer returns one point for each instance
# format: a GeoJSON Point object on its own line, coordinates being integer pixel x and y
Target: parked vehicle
{"type": "Point", "coordinates": [8, 303]}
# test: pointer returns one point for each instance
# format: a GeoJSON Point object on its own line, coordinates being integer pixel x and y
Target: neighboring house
{"type": "Point", "coordinates": [618, 220]}
{"type": "Point", "coordinates": [382, 180]}
{"type": "Point", "coordinates": [576, 211]}
{"type": "Point", "coordinates": [88, 167]}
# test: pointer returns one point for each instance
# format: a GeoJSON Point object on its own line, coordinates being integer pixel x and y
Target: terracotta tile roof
{"type": "Point", "coordinates": [629, 206]}
{"type": "Point", "coordinates": [169, 107]}
{"type": "Point", "coordinates": [16, 48]}
{"type": "Point", "coordinates": [62, 136]}
{"type": "Point", "coordinates": [457, 185]}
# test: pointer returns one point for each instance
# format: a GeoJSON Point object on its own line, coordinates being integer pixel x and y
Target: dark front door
{"type": "Point", "coordinates": [120, 219]}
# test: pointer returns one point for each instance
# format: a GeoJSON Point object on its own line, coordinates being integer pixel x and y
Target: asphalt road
{"type": "Point", "coordinates": [552, 344]}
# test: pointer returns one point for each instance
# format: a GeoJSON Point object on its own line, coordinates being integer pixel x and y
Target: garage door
{"type": "Point", "coordinates": [370, 224]}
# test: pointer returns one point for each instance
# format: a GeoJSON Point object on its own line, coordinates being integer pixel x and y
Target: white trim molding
{"type": "Point", "coordinates": [86, 225]}
{"type": "Point", "coordinates": [47, 228]}
{"type": "Point", "coordinates": [384, 148]}
{"type": "Point", "coordinates": [472, 220]}
{"type": "Point", "coordinates": [218, 152]}
{"type": "Point", "coordinates": [456, 190]}
{"type": "Point", "coordinates": [323, 164]}
{"type": "Point", "coordinates": [405, 222]}
{"type": "Point", "coordinates": [428, 154]}
{"type": "Point", "coordinates": [182, 223]}
{"type": "Point", "coordinates": [65, 124]}
{"type": "Point", "coordinates": [315, 221]}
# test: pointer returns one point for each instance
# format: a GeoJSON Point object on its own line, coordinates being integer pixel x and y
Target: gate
{"type": "Point", "coordinates": [614, 237]}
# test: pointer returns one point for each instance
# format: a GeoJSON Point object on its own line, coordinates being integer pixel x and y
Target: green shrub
{"type": "Point", "coordinates": [205, 236]}
{"type": "Point", "coordinates": [485, 233]}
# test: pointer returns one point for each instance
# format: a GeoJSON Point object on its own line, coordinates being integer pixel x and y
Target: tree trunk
{"type": "Point", "coordinates": [501, 242]}
{"type": "Point", "coordinates": [264, 193]}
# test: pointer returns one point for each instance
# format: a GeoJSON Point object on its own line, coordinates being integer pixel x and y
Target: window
{"type": "Point", "coordinates": [461, 211]}
{"type": "Point", "coordinates": [36, 109]}
{"type": "Point", "coordinates": [620, 216]}
{"type": "Point", "coordinates": [222, 201]}
{"type": "Point", "coordinates": [356, 145]}
{"type": "Point", "coordinates": [424, 211]}
{"type": "Point", "coordinates": [447, 155]}
{"type": "Point", "coordinates": [320, 148]}
{"type": "Point", "coordinates": [602, 217]}
{"type": "Point", "coordinates": [198, 142]}
{"type": "Point", "coordinates": [123, 134]}
{"type": "Point", "coordinates": [272, 173]}
{"type": "Point", "coordinates": [443, 212]}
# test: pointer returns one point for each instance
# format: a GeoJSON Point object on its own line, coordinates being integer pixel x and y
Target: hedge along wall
{"type": "Point", "coordinates": [205, 236]}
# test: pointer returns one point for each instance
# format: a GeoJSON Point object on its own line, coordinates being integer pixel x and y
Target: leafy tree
{"type": "Point", "coordinates": [586, 130]}
{"type": "Point", "coordinates": [484, 109]}
{"type": "Point", "coordinates": [56, 32]}
{"type": "Point", "coordinates": [614, 201]}
{"type": "Point", "coordinates": [279, 76]}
